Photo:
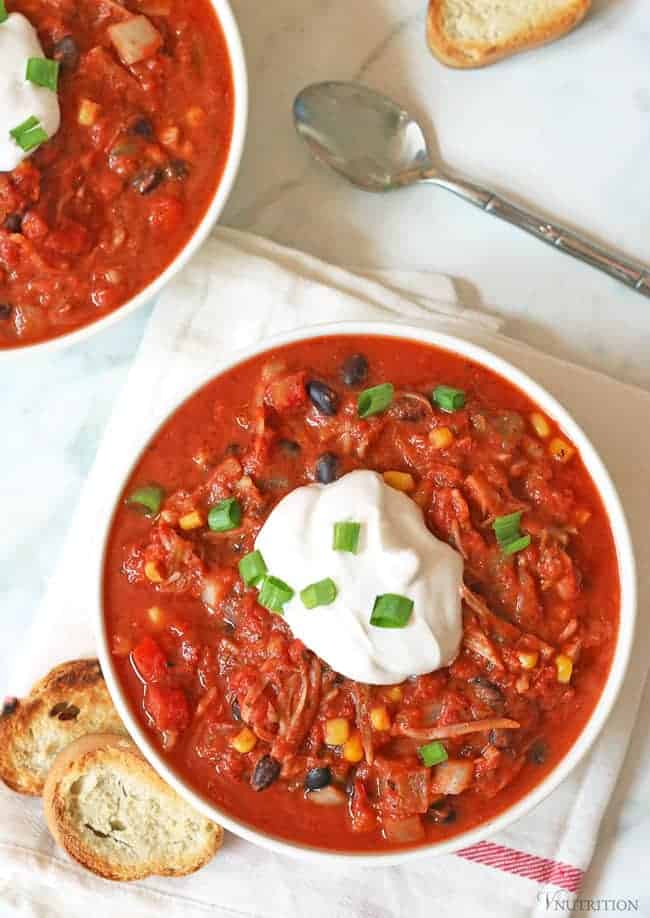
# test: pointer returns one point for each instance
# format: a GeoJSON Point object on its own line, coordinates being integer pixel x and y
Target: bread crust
{"type": "Point", "coordinates": [76, 684]}
{"type": "Point", "coordinates": [113, 753]}
{"type": "Point", "coordinates": [476, 54]}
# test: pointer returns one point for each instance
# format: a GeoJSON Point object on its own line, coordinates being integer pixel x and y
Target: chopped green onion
{"type": "Point", "coordinates": [29, 134]}
{"type": "Point", "coordinates": [346, 537]}
{"type": "Point", "coordinates": [448, 398]}
{"type": "Point", "coordinates": [374, 400]}
{"type": "Point", "coordinates": [252, 568]}
{"type": "Point", "coordinates": [147, 499]}
{"type": "Point", "coordinates": [391, 611]}
{"type": "Point", "coordinates": [322, 593]}
{"type": "Point", "coordinates": [274, 593]}
{"type": "Point", "coordinates": [515, 545]}
{"type": "Point", "coordinates": [506, 528]}
{"type": "Point", "coordinates": [433, 753]}
{"type": "Point", "coordinates": [225, 515]}
{"type": "Point", "coordinates": [43, 72]}
{"type": "Point", "coordinates": [4, 15]}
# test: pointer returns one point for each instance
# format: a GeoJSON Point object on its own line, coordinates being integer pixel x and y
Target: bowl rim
{"type": "Point", "coordinates": [235, 47]}
{"type": "Point", "coordinates": [627, 612]}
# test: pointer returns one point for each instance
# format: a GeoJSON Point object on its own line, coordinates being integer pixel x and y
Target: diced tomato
{"type": "Point", "coordinates": [149, 660]}
{"type": "Point", "coordinates": [362, 814]}
{"type": "Point", "coordinates": [34, 226]}
{"type": "Point", "coordinates": [165, 215]}
{"type": "Point", "coordinates": [68, 238]}
{"type": "Point", "coordinates": [168, 707]}
{"type": "Point", "coordinates": [287, 392]}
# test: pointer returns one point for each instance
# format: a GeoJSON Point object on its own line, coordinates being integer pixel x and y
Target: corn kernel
{"type": "Point", "coordinates": [191, 520]}
{"type": "Point", "coordinates": [560, 449]}
{"type": "Point", "coordinates": [564, 667]}
{"type": "Point", "coordinates": [401, 481]}
{"type": "Point", "coordinates": [582, 517]}
{"type": "Point", "coordinates": [352, 749]}
{"type": "Point", "coordinates": [528, 659]}
{"type": "Point", "coordinates": [152, 572]}
{"type": "Point", "coordinates": [441, 438]}
{"type": "Point", "coordinates": [337, 731]}
{"type": "Point", "coordinates": [540, 425]}
{"type": "Point", "coordinates": [244, 741]}
{"type": "Point", "coordinates": [156, 616]}
{"type": "Point", "coordinates": [380, 718]}
{"type": "Point", "coordinates": [88, 111]}
{"type": "Point", "coordinates": [394, 693]}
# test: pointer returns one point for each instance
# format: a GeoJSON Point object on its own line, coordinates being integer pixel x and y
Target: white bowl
{"type": "Point", "coordinates": [626, 568]}
{"type": "Point", "coordinates": [240, 119]}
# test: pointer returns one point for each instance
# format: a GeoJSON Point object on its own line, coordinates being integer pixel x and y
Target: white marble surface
{"type": "Point", "coordinates": [565, 129]}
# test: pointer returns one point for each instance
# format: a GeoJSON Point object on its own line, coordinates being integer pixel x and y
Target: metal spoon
{"type": "Point", "coordinates": [377, 145]}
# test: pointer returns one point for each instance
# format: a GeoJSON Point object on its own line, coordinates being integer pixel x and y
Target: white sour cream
{"type": "Point", "coordinates": [20, 99]}
{"type": "Point", "coordinates": [397, 554]}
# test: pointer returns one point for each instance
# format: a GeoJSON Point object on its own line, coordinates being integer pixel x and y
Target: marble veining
{"type": "Point", "coordinates": [565, 129]}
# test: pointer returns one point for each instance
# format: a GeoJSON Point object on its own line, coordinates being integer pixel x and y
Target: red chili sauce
{"type": "Point", "coordinates": [241, 709]}
{"type": "Point", "coordinates": [101, 209]}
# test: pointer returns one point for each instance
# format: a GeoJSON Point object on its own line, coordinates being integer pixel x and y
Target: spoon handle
{"type": "Point", "coordinates": [633, 274]}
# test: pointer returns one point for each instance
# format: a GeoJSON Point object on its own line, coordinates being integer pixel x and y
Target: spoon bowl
{"type": "Point", "coordinates": [363, 135]}
{"type": "Point", "coordinates": [376, 145]}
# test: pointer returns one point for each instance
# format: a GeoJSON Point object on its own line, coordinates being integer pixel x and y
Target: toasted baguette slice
{"type": "Point", "coordinates": [67, 703]}
{"type": "Point", "coordinates": [474, 33]}
{"type": "Point", "coordinates": [107, 807]}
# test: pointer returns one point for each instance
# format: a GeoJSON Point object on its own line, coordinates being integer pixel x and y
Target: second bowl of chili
{"type": "Point", "coordinates": [248, 722]}
{"type": "Point", "coordinates": [96, 219]}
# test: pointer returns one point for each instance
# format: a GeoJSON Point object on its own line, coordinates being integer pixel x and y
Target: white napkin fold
{"type": "Point", "coordinates": [236, 291]}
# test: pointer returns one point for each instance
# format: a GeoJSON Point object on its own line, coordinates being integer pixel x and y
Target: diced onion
{"type": "Point", "coordinates": [135, 39]}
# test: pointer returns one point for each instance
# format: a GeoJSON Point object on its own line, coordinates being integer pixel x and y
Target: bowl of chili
{"type": "Point", "coordinates": [248, 723]}
{"type": "Point", "coordinates": [97, 218]}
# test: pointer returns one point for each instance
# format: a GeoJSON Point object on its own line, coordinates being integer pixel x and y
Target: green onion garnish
{"type": "Point", "coordinates": [391, 611]}
{"type": "Point", "coordinates": [433, 753]}
{"type": "Point", "coordinates": [252, 568]}
{"type": "Point", "coordinates": [322, 593]}
{"type": "Point", "coordinates": [448, 398]}
{"type": "Point", "coordinates": [515, 545]}
{"type": "Point", "coordinates": [147, 499]}
{"type": "Point", "coordinates": [29, 134]}
{"type": "Point", "coordinates": [4, 15]}
{"type": "Point", "coordinates": [225, 515]}
{"type": "Point", "coordinates": [346, 537]}
{"type": "Point", "coordinates": [43, 72]}
{"type": "Point", "coordinates": [274, 593]}
{"type": "Point", "coordinates": [506, 528]}
{"type": "Point", "coordinates": [374, 400]}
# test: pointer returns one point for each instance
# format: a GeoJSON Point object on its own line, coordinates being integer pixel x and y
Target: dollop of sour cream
{"type": "Point", "coordinates": [19, 98]}
{"type": "Point", "coordinates": [396, 554]}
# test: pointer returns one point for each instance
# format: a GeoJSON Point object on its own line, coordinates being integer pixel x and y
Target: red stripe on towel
{"type": "Point", "coordinates": [541, 869]}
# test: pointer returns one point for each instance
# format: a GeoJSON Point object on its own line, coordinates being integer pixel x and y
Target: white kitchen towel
{"type": "Point", "coordinates": [236, 291]}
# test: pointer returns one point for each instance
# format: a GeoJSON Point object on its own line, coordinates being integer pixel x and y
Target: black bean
{"type": "Point", "coordinates": [142, 127]}
{"type": "Point", "coordinates": [441, 812]}
{"type": "Point", "coordinates": [236, 710]}
{"type": "Point", "coordinates": [148, 179]}
{"type": "Point", "coordinates": [538, 752]}
{"type": "Point", "coordinates": [354, 371]}
{"type": "Point", "coordinates": [323, 397]}
{"type": "Point", "coordinates": [266, 772]}
{"type": "Point", "coordinates": [66, 52]}
{"type": "Point", "coordinates": [327, 468]}
{"type": "Point", "coordinates": [5, 311]}
{"type": "Point", "coordinates": [177, 170]}
{"type": "Point", "coordinates": [9, 706]}
{"type": "Point", "coordinates": [13, 223]}
{"type": "Point", "coordinates": [290, 447]}
{"type": "Point", "coordinates": [317, 778]}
